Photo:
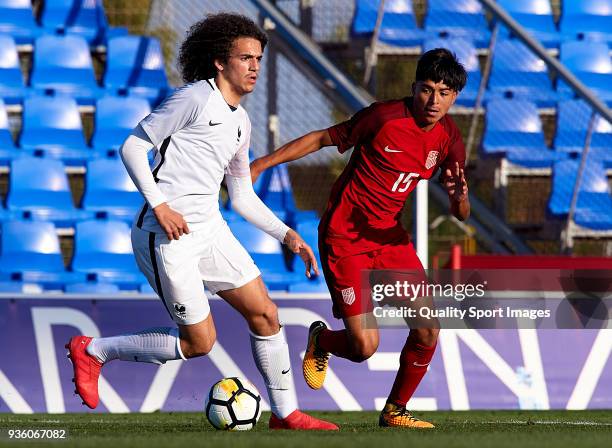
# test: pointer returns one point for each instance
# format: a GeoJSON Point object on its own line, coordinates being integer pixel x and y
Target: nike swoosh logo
{"type": "Point", "coordinates": [416, 364]}
{"type": "Point", "coordinates": [284, 372]}
{"type": "Point", "coordinates": [387, 149]}
{"type": "Point", "coordinates": [210, 123]}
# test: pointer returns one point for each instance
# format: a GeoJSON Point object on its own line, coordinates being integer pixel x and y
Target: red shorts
{"type": "Point", "coordinates": [343, 274]}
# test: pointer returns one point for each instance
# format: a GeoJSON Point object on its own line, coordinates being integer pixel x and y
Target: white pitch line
{"type": "Point", "coordinates": [490, 422]}
{"type": "Point", "coordinates": [544, 422]}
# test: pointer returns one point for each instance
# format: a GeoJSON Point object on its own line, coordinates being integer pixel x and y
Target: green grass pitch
{"type": "Point", "coordinates": [498, 429]}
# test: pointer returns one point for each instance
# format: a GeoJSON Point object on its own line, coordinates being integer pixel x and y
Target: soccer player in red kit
{"type": "Point", "coordinates": [396, 143]}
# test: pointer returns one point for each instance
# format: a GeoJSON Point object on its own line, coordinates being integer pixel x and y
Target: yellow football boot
{"type": "Point", "coordinates": [314, 365]}
{"type": "Point", "coordinates": [397, 416]}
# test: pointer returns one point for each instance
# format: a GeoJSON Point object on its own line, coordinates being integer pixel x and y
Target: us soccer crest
{"type": "Point", "coordinates": [432, 159]}
{"type": "Point", "coordinates": [348, 295]}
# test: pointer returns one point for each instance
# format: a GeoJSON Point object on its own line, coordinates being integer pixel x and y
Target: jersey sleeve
{"type": "Point", "coordinates": [359, 128]}
{"type": "Point", "coordinates": [238, 166]}
{"type": "Point", "coordinates": [177, 112]}
{"type": "Point", "coordinates": [456, 150]}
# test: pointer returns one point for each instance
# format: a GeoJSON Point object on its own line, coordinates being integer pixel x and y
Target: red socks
{"type": "Point", "coordinates": [334, 342]}
{"type": "Point", "coordinates": [414, 360]}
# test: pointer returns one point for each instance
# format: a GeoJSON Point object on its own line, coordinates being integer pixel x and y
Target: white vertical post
{"type": "Point", "coordinates": [422, 222]}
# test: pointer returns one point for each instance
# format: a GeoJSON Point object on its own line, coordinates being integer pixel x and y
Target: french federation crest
{"type": "Point", "coordinates": [432, 159]}
{"type": "Point", "coordinates": [348, 295]}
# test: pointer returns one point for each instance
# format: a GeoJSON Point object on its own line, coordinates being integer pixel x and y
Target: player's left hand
{"type": "Point", "coordinates": [455, 184]}
{"type": "Point", "coordinates": [298, 246]}
{"type": "Point", "coordinates": [256, 170]}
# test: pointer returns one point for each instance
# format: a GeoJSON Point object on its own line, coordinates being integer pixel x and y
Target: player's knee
{"type": "Point", "coordinates": [265, 319]}
{"type": "Point", "coordinates": [199, 348]}
{"type": "Point", "coordinates": [199, 344]}
{"type": "Point", "coordinates": [363, 348]}
{"type": "Point", "coordinates": [426, 336]}
{"type": "Point", "coordinates": [270, 314]}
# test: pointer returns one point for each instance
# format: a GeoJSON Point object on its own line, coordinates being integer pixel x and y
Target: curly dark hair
{"type": "Point", "coordinates": [212, 38]}
{"type": "Point", "coordinates": [440, 64]}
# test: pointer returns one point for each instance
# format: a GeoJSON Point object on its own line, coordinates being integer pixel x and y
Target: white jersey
{"type": "Point", "coordinates": [198, 139]}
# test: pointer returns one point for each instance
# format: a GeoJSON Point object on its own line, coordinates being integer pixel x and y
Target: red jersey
{"type": "Point", "coordinates": [391, 155]}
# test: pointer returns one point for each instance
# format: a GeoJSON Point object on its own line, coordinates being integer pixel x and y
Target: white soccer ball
{"type": "Point", "coordinates": [233, 404]}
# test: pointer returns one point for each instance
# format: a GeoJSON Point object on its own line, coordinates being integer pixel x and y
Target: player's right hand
{"type": "Point", "coordinates": [298, 246]}
{"type": "Point", "coordinates": [170, 221]}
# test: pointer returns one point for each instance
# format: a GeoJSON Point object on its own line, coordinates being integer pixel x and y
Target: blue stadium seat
{"type": "Point", "coordinates": [594, 210]}
{"type": "Point", "coordinates": [366, 12]}
{"type": "Point", "coordinates": [459, 18]}
{"type": "Point", "coordinates": [16, 286]}
{"type": "Point", "coordinates": [109, 191]}
{"type": "Point", "coordinates": [590, 63]}
{"type": "Point", "coordinates": [31, 253]}
{"type": "Point", "coordinates": [309, 230]}
{"type": "Point", "coordinates": [7, 215]}
{"type": "Point", "coordinates": [586, 19]}
{"type": "Point", "coordinates": [274, 188]}
{"type": "Point", "coordinates": [92, 288]}
{"type": "Point", "coordinates": [317, 285]}
{"type": "Point", "coordinates": [594, 203]}
{"type": "Point", "coordinates": [573, 118]}
{"type": "Point", "coordinates": [398, 26]}
{"type": "Point", "coordinates": [466, 53]}
{"type": "Point", "coordinates": [17, 20]}
{"type": "Point", "coordinates": [563, 179]}
{"type": "Point", "coordinates": [39, 190]}
{"type": "Point", "coordinates": [103, 249]}
{"type": "Point", "coordinates": [63, 67]}
{"type": "Point", "coordinates": [12, 89]}
{"type": "Point", "coordinates": [8, 151]}
{"type": "Point", "coordinates": [136, 68]}
{"type": "Point", "coordinates": [518, 73]}
{"type": "Point", "coordinates": [514, 128]}
{"type": "Point", "coordinates": [115, 119]}
{"type": "Point", "coordinates": [84, 18]}
{"type": "Point", "coordinates": [52, 128]}
{"type": "Point", "coordinates": [276, 191]}
{"type": "Point", "coordinates": [536, 17]}
{"type": "Point", "coordinates": [266, 252]}
{"type": "Point", "coordinates": [145, 288]}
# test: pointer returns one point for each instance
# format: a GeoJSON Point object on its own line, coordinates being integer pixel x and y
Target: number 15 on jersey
{"type": "Point", "coordinates": [403, 182]}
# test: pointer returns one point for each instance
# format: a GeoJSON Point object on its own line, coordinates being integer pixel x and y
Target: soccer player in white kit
{"type": "Point", "coordinates": [181, 242]}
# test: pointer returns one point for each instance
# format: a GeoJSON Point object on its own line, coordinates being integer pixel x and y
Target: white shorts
{"type": "Point", "coordinates": [178, 270]}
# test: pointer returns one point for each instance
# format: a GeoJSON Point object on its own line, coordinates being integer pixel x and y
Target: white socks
{"type": "Point", "coordinates": [156, 345]}
{"type": "Point", "coordinates": [271, 354]}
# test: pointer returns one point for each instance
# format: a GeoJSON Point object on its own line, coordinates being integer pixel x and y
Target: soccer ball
{"type": "Point", "coordinates": [233, 404]}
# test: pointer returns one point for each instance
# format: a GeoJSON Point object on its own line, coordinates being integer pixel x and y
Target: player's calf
{"type": "Point", "coordinates": [263, 319]}
{"type": "Point", "coordinates": [424, 336]}
{"type": "Point", "coordinates": [362, 348]}
{"type": "Point", "coordinates": [197, 339]}
{"type": "Point", "coordinates": [194, 349]}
